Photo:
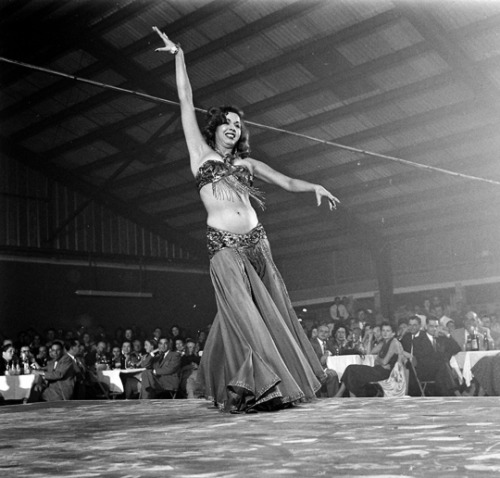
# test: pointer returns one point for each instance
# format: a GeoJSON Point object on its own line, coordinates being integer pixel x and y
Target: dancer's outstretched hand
{"type": "Point", "coordinates": [321, 192]}
{"type": "Point", "coordinates": [170, 46]}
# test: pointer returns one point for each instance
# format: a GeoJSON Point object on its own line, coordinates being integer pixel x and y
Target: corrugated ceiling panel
{"type": "Point", "coordinates": [327, 160]}
{"type": "Point", "coordinates": [482, 46]}
{"type": "Point", "coordinates": [415, 69]}
{"type": "Point", "coordinates": [154, 14]}
{"type": "Point", "coordinates": [464, 12]}
{"type": "Point", "coordinates": [109, 77]}
{"type": "Point", "coordinates": [319, 102]}
{"type": "Point", "coordinates": [79, 125]}
{"type": "Point", "coordinates": [254, 50]}
{"type": "Point", "coordinates": [252, 10]}
{"type": "Point", "coordinates": [18, 122]}
{"type": "Point", "coordinates": [104, 114]}
{"type": "Point", "coordinates": [123, 35]}
{"type": "Point", "coordinates": [49, 138]}
{"type": "Point", "coordinates": [287, 35]}
{"type": "Point", "coordinates": [346, 125]}
{"type": "Point", "coordinates": [429, 100]}
{"type": "Point", "coordinates": [410, 137]}
{"type": "Point", "coordinates": [377, 145]}
{"type": "Point", "coordinates": [289, 77]}
{"type": "Point", "coordinates": [335, 16]}
{"type": "Point", "coordinates": [380, 43]}
{"type": "Point", "coordinates": [130, 104]}
{"type": "Point", "coordinates": [280, 115]}
{"type": "Point", "coordinates": [86, 155]}
{"type": "Point", "coordinates": [221, 24]}
{"type": "Point", "coordinates": [381, 115]}
{"type": "Point", "coordinates": [458, 123]}
{"type": "Point", "coordinates": [216, 66]}
{"type": "Point", "coordinates": [73, 62]}
{"type": "Point", "coordinates": [255, 90]}
{"type": "Point", "coordinates": [190, 40]}
{"type": "Point", "coordinates": [282, 145]}
{"type": "Point", "coordinates": [150, 59]}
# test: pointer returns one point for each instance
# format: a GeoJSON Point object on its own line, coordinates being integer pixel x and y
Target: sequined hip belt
{"type": "Point", "coordinates": [218, 240]}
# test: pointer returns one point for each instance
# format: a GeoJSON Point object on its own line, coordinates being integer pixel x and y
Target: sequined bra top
{"type": "Point", "coordinates": [228, 181]}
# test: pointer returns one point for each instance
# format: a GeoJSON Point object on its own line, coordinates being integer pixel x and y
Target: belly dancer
{"type": "Point", "coordinates": [257, 356]}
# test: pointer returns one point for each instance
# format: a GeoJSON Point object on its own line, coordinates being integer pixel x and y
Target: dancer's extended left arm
{"type": "Point", "coordinates": [269, 175]}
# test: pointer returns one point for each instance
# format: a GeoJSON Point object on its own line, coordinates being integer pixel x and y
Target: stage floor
{"type": "Point", "coordinates": [445, 437]}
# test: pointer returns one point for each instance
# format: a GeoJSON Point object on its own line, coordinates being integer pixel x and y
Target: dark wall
{"type": "Point", "coordinates": [43, 295]}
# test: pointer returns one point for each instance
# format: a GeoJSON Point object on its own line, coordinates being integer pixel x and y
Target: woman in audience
{"type": "Point", "coordinates": [356, 377]}
{"type": "Point", "coordinates": [7, 358]}
{"type": "Point", "coordinates": [42, 357]}
{"type": "Point", "coordinates": [257, 355]}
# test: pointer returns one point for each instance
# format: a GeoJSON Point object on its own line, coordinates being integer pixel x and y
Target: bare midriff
{"type": "Point", "coordinates": [237, 216]}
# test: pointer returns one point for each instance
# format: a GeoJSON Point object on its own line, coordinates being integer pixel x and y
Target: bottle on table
{"type": "Point", "coordinates": [474, 341]}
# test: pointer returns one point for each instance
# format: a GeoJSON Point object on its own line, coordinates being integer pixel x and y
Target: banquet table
{"type": "Point", "coordinates": [112, 378]}
{"type": "Point", "coordinates": [467, 360]}
{"type": "Point", "coordinates": [340, 362]}
{"type": "Point", "coordinates": [16, 387]}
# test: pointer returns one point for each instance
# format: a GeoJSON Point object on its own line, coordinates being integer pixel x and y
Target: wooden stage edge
{"type": "Point", "coordinates": [378, 437]}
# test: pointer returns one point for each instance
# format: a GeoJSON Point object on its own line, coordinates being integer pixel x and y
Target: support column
{"type": "Point", "coordinates": [381, 256]}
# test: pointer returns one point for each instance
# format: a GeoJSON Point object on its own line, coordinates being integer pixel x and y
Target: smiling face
{"type": "Point", "coordinates": [228, 134]}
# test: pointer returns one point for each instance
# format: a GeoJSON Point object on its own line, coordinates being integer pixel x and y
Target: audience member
{"type": "Point", "coordinates": [164, 375]}
{"type": "Point", "coordinates": [473, 336]}
{"type": "Point", "coordinates": [7, 358]}
{"type": "Point", "coordinates": [432, 350]}
{"type": "Point", "coordinates": [320, 346]}
{"type": "Point", "coordinates": [42, 356]}
{"type": "Point", "coordinates": [57, 380]}
{"type": "Point", "coordinates": [356, 377]}
{"type": "Point", "coordinates": [338, 311]}
{"type": "Point", "coordinates": [189, 371]}
{"type": "Point", "coordinates": [339, 343]}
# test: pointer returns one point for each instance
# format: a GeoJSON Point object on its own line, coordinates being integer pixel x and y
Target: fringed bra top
{"type": "Point", "coordinates": [228, 181]}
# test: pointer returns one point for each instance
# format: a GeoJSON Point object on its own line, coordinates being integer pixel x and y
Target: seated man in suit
{"type": "Point", "coordinates": [164, 372]}
{"type": "Point", "coordinates": [432, 350]}
{"type": "Point", "coordinates": [56, 381]}
{"type": "Point", "coordinates": [472, 326]}
{"type": "Point", "coordinates": [320, 346]}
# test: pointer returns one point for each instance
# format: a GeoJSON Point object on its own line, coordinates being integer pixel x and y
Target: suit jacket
{"type": "Point", "coordinates": [430, 360]}
{"type": "Point", "coordinates": [460, 336]}
{"type": "Point", "coordinates": [167, 369]}
{"type": "Point", "coordinates": [408, 340]}
{"type": "Point", "coordinates": [318, 351]}
{"type": "Point", "coordinates": [60, 380]}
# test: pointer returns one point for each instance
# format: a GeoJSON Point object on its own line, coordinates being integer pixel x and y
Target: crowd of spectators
{"type": "Point", "coordinates": [170, 357]}
{"type": "Point", "coordinates": [66, 362]}
{"type": "Point", "coordinates": [430, 334]}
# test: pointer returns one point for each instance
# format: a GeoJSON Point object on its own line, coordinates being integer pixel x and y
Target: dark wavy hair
{"type": "Point", "coordinates": [217, 116]}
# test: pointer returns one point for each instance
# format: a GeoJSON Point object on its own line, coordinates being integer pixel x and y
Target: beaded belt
{"type": "Point", "coordinates": [218, 240]}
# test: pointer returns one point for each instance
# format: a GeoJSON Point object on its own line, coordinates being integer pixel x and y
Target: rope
{"type": "Point", "coordinates": [157, 99]}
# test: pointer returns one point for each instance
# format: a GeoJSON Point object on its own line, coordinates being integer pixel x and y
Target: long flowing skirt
{"type": "Point", "coordinates": [257, 356]}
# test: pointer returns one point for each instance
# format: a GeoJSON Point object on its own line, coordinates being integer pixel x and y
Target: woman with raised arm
{"type": "Point", "coordinates": [257, 356]}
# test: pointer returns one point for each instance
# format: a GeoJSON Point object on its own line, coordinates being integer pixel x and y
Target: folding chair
{"type": "Point", "coordinates": [422, 384]}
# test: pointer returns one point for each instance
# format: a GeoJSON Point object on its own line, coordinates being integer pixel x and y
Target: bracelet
{"type": "Point", "coordinates": [175, 49]}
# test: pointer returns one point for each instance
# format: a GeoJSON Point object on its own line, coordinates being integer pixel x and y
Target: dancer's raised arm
{"type": "Point", "coordinates": [196, 144]}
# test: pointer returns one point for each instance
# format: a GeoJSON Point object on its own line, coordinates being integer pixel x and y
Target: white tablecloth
{"type": "Point", "coordinates": [113, 380]}
{"type": "Point", "coordinates": [467, 360]}
{"type": "Point", "coordinates": [340, 362]}
{"type": "Point", "coordinates": [16, 387]}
